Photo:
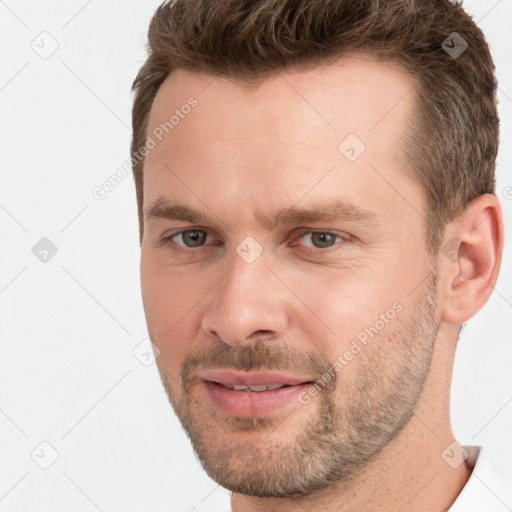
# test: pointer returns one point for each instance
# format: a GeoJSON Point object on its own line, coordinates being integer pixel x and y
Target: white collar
{"type": "Point", "coordinates": [488, 488]}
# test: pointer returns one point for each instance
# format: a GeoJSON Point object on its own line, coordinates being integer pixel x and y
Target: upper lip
{"type": "Point", "coordinates": [232, 377]}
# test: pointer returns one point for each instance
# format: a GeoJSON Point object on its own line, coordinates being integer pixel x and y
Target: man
{"type": "Point", "coordinates": [315, 183]}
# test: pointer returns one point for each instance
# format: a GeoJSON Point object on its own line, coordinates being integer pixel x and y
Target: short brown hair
{"type": "Point", "coordinates": [453, 138]}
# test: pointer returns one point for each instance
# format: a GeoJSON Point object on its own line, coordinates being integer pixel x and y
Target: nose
{"type": "Point", "coordinates": [248, 302]}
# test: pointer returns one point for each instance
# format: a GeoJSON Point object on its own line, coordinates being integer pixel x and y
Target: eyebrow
{"type": "Point", "coordinates": [333, 211]}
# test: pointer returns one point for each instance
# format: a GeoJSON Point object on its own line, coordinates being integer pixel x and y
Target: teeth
{"type": "Point", "coordinates": [270, 387]}
{"type": "Point", "coordinates": [255, 389]}
{"type": "Point", "coordinates": [261, 387]}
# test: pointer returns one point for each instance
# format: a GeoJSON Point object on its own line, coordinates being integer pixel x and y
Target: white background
{"type": "Point", "coordinates": [68, 374]}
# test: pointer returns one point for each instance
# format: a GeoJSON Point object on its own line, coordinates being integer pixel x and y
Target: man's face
{"type": "Point", "coordinates": [300, 297]}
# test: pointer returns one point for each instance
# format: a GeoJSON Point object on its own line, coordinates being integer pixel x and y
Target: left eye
{"type": "Point", "coordinates": [321, 239]}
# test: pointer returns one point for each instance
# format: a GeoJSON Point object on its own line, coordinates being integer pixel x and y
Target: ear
{"type": "Point", "coordinates": [473, 259]}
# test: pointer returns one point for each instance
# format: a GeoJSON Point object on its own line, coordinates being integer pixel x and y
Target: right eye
{"type": "Point", "coordinates": [191, 238]}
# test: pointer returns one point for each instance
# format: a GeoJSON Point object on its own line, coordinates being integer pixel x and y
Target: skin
{"type": "Point", "coordinates": [299, 305]}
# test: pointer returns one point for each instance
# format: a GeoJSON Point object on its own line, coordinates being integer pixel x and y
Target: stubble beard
{"type": "Point", "coordinates": [337, 442]}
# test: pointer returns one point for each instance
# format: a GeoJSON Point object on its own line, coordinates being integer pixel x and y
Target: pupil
{"type": "Point", "coordinates": [194, 237]}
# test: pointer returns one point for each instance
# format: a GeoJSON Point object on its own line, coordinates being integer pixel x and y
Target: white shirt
{"type": "Point", "coordinates": [488, 488]}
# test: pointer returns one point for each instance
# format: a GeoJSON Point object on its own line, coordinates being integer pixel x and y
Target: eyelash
{"type": "Point", "coordinates": [169, 240]}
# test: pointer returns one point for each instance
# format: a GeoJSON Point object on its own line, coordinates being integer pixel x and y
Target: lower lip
{"type": "Point", "coordinates": [250, 404]}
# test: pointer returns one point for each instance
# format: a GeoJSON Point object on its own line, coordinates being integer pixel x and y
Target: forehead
{"type": "Point", "coordinates": [354, 92]}
{"type": "Point", "coordinates": [277, 140]}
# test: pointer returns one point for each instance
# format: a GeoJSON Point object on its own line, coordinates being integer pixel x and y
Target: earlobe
{"type": "Point", "coordinates": [475, 252]}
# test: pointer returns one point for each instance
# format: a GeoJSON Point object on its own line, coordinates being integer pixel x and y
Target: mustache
{"type": "Point", "coordinates": [257, 356]}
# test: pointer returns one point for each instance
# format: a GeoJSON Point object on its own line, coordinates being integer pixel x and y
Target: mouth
{"type": "Point", "coordinates": [253, 380]}
{"type": "Point", "coordinates": [254, 388]}
{"type": "Point", "coordinates": [252, 394]}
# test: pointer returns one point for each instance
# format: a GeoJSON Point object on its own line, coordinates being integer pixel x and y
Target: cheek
{"type": "Point", "coordinates": [169, 301]}
{"type": "Point", "coordinates": [338, 306]}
